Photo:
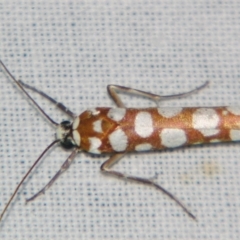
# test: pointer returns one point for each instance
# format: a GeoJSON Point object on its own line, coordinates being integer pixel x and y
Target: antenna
{"type": "Point", "coordinates": [26, 93]}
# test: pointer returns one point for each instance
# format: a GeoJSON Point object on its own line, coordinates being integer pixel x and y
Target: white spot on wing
{"type": "Point", "coordinates": [143, 124]}
{"type": "Point", "coordinates": [76, 137]}
{"type": "Point", "coordinates": [173, 137]}
{"type": "Point", "coordinates": [206, 121]}
{"type": "Point", "coordinates": [76, 123]}
{"type": "Point", "coordinates": [224, 112]}
{"type": "Point", "coordinates": [215, 140]}
{"type": "Point", "coordinates": [118, 140]}
{"type": "Point", "coordinates": [94, 111]}
{"type": "Point", "coordinates": [234, 110]}
{"type": "Point", "coordinates": [143, 147]}
{"type": "Point", "coordinates": [95, 143]}
{"type": "Point", "coordinates": [209, 132]}
{"type": "Point", "coordinates": [235, 135]}
{"type": "Point", "coordinates": [97, 126]}
{"type": "Point", "coordinates": [116, 114]}
{"type": "Point", "coordinates": [169, 112]}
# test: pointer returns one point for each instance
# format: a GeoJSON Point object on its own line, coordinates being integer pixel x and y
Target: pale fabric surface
{"type": "Point", "coordinates": [72, 50]}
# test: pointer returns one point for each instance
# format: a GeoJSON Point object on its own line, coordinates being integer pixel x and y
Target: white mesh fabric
{"type": "Point", "coordinates": [72, 50]}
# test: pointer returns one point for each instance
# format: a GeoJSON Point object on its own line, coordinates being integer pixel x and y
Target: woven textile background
{"type": "Point", "coordinates": [72, 50]}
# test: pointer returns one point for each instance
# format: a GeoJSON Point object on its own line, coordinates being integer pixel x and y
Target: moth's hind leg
{"type": "Point", "coordinates": [112, 90]}
{"type": "Point", "coordinates": [106, 167]}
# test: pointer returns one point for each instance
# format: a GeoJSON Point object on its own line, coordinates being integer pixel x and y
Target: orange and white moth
{"type": "Point", "coordinates": [120, 130]}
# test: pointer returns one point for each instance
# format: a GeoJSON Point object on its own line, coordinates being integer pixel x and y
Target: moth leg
{"type": "Point", "coordinates": [59, 105]}
{"type": "Point", "coordinates": [112, 90]}
{"type": "Point", "coordinates": [63, 168]}
{"type": "Point", "coordinates": [25, 176]}
{"type": "Point", "coordinates": [105, 167]}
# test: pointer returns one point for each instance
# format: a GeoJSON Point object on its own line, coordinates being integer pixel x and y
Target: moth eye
{"type": "Point", "coordinates": [67, 143]}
